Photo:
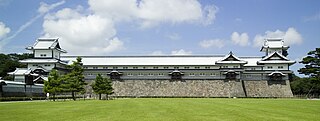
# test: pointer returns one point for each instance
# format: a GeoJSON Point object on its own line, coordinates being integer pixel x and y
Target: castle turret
{"type": "Point", "coordinates": [272, 45]}
{"type": "Point", "coordinates": [46, 56]}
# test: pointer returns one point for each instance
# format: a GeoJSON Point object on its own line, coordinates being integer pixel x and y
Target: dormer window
{"type": "Point", "coordinates": [231, 75]}
{"type": "Point", "coordinates": [176, 75]}
{"type": "Point", "coordinates": [276, 76]}
{"type": "Point", "coordinates": [114, 75]}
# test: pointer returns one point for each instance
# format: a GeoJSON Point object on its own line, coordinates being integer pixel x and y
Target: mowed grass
{"type": "Point", "coordinates": [162, 109]}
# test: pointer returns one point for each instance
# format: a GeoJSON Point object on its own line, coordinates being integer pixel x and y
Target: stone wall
{"type": "Point", "coordinates": [201, 88]}
{"type": "Point", "coordinates": [264, 88]}
{"type": "Point", "coordinates": [186, 88]}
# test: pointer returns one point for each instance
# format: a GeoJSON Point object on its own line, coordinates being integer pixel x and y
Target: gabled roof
{"type": "Point", "coordinates": [275, 57]}
{"type": "Point", "coordinates": [50, 43]}
{"type": "Point", "coordinates": [21, 71]}
{"type": "Point", "coordinates": [276, 72]}
{"type": "Point", "coordinates": [231, 59]}
{"type": "Point", "coordinates": [176, 71]}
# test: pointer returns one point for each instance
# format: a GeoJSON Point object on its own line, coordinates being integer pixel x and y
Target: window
{"type": "Point", "coordinates": [269, 67]}
{"type": "Point", "coordinates": [235, 66]}
{"type": "Point", "coordinates": [280, 67]}
{"type": "Point", "coordinates": [191, 74]}
{"type": "Point", "coordinates": [253, 68]}
{"type": "Point", "coordinates": [140, 74]}
{"type": "Point", "coordinates": [125, 67]}
{"type": "Point", "coordinates": [35, 65]}
{"type": "Point", "coordinates": [115, 67]}
{"type": "Point", "coordinates": [176, 67]}
{"type": "Point", "coordinates": [166, 67]}
{"type": "Point", "coordinates": [202, 74]}
{"type": "Point", "coordinates": [130, 74]}
{"type": "Point", "coordinates": [47, 65]}
{"type": "Point", "coordinates": [85, 67]}
{"type": "Point", "coordinates": [186, 67]}
{"type": "Point", "coordinates": [207, 67]}
{"type": "Point", "coordinates": [135, 67]}
{"type": "Point", "coordinates": [160, 74]}
{"type": "Point", "coordinates": [144, 67]}
{"type": "Point", "coordinates": [197, 67]}
{"type": "Point", "coordinates": [95, 67]}
{"type": "Point", "coordinates": [213, 74]}
{"type": "Point", "coordinates": [155, 67]}
{"type": "Point", "coordinates": [150, 74]}
{"type": "Point", "coordinates": [224, 66]}
{"type": "Point", "coordinates": [105, 67]}
{"type": "Point", "coordinates": [43, 55]}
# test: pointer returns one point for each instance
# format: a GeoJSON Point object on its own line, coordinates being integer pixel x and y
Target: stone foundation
{"type": "Point", "coordinates": [187, 88]}
{"type": "Point", "coordinates": [268, 89]}
{"type": "Point", "coordinates": [201, 88]}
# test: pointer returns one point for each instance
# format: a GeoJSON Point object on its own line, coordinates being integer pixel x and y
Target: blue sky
{"type": "Point", "coordinates": [159, 27]}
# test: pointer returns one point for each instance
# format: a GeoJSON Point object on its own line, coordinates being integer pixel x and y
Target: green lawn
{"type": "Point", "coordinates": [162, 109]}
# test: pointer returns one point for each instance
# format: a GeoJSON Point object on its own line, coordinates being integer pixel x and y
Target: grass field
{"type": "Point", "coordinates": [162, 109]}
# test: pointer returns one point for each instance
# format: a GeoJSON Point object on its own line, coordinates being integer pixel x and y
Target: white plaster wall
{"type": "Point", "coordinates": [39, 52]}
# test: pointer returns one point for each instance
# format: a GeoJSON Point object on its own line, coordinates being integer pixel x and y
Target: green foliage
{"type": "Point", "coordinates": [164, 109]}
{"type": "Point", "coordinates": [54, 83]}
{"type": "Point", "coordinates": [10, 62]}
{"type": "Point", "coordinates": [310, 85]}
{"type": "Point", "coordinates": [312, 64]}
{"type": "Point", "coordinates": [102, 86]}
{"type": "Point", "coordinates": [74, 81]}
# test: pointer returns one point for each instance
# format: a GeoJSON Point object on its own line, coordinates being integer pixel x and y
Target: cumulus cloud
{"type": "Point", "coordinates": [149, 13]}
{"type": "Point", "coordinates": [181, 52]}
{"type": "Point", "coordinates": [76, 32]}
{"type": "Point", "coordinates": [240, 39]}
{"type": "Point", "coordinates": [212, 43]}
{"type": "Point", "coordinates": [291, 37]}
{"type": "Point", "coordinates": [3, 30]}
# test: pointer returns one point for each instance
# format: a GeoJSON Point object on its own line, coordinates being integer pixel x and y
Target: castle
{"type": "Point", "coordinates": [176, 76]}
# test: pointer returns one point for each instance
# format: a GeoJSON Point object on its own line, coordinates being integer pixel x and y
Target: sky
{"type": "Point", "coordinates": [161, 27]}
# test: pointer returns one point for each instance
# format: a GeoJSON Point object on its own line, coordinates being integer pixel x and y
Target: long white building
{"type": "Point", "coordinates": [194, 76]}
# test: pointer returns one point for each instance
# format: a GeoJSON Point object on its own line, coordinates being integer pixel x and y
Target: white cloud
{"type": "Point", "coordinates": [96, 30]}
{"type": "Point", "coordinates": [82, 34]}
{"type": "Point", "coordinates": [44, 7]}
{"type": "Point", "coordinates": [291, 37]}
{"type": "Point", "coordinates": [212, 43]}
{"type": "Point", "coordinates": [209, 14]}
{"type": "Point", "coordinates": [158, 52]}
{"type": "Point", "coordinates": [240, 39]}
{"type": "Point", "coordinates": [181, 52]}
{"type": "Point", "coordinates": [149, 13]}
{"type": "Point", "coordinates": [3, 30]}
{"type": "Point", "coordinates": [173, 36]}
{"type": "Point", "coordinates": [315, 17]}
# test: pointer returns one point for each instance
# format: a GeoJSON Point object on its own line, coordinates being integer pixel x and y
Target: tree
{"type": "Point", "coordinates": [10, 62]}
{"type": "Point", "coordinates": [74, 81]}
{"type": "Point", "coordinates": [312, 70]}
{"type": "Point", "coordinates": [53, 85]}
{"type": "Point", "coordinates": [102, 86]}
